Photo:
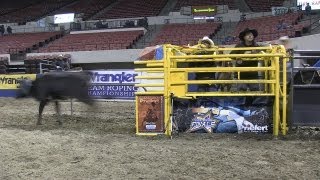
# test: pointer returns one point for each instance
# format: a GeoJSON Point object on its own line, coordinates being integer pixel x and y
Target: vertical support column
{"type": "Point", "coordinates": [40, 66]}
{"type": "Point", "coordinates": [137, 116]}
{"type": "Point", "coordinates": [277, 98]}
{"type": "Point", "coordinates": [166, 80]}
{"type": "Point", "coordinates": [266, 75]}
{"type": "Point", "coordinates": [284, 98]}
{"type": "Point", "coordinates": [272, 76]}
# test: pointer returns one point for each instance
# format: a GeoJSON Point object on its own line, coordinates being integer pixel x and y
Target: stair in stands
{"type": "Point", "coordinates": [242, 6]}
{"type": "Point", "coordinates": [148, 37]}
{"type": "Point", "coordinates": [313, 20]}
{"type": "Point", "coordinates": [169, 7]}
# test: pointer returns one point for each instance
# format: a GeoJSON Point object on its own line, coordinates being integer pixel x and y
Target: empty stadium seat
{"type": "Point", "coordinates": [94, 41]}
{"type": "Point", "coordinates": [136, 8]}
{"type": "Point", "coordinates": [263, 5]}
{"type": "Point", "coordinates": [183, 34]}
{"type": "Point", "coordinates": [267, 27]}
{"type": "Point", "coordinates": [21, 42]}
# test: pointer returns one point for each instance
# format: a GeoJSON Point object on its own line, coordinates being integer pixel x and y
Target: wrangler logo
{"type": "Point", "coordinates": [5, 80]}
{"type": "Point", "coordinates": [11, 81]}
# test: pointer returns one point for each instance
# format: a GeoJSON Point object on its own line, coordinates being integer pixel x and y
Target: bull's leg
{"type": "Point", "coordinates": [58, 112]}
{"type": "Point", "coordinates": [220, 76]}
{"type": "Point", "coordinates": [41, 107]}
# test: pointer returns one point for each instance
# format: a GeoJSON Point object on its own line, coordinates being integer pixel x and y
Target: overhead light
{"type": "Point", "coordinates": [203, 17]}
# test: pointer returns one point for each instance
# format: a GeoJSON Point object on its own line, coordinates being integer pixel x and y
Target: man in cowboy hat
{"type": "Point", "coordinates": [205, 42]}
{"type": "Point", "coordinates": [247, 39]}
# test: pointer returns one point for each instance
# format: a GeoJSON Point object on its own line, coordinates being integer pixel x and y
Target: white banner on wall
{"type": "Point", "coordinates": [113, 84]}
{"type": "Point", "coordinates": [315, 4]}
{"type": "Point", "coordinates": [276, 11]}
{"type": "Point", "coordinates": [63, 18]}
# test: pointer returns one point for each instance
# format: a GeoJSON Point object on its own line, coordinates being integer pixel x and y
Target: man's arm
{"type": "Point", "coordinates": [235, 51]}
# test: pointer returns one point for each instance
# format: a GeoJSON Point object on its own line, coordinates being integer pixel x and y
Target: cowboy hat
{"type": "Point", "coordinates": [284, 38]}
{"type": "Point", "coordinates": [207, 40]}
{"type": "Point", "coordinates": [247, 30]}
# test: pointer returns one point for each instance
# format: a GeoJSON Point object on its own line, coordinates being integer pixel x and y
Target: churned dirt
{"type": "Point", "coordinates": [101, 143]}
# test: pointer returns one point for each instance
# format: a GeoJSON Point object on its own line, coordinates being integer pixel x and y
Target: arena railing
{"type": "Point", "coordinates": [35, 29]}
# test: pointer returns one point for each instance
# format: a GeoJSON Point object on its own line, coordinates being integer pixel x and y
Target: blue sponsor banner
{"type": "Point", "coordinates": [112, 84]}
{"type": "Point", "coordinates": [8, 92]}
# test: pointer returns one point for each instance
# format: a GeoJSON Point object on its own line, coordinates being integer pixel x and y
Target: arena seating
{"type": "Point", "coordinates": [136, 8]}
{"type": "Point", "coordinates": [267, 27]}
{"type": "Point", "coordinates": [182, 3]}
{"type": "Point", "coordinates": [24, 42]}
{"type": "Point", "coordinates": [263, 5]}
{"type": "Point", "coordinates": [87, 7]}
{"type": "Point", "coordinates": [94, 41]}
{"type": "Point", "coordinates": [34, 11]}
{"type": "Point", "coordinates": [183, 34]}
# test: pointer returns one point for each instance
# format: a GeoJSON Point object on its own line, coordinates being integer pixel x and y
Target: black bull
{"type": "Point", "coordinates": [56, 86]}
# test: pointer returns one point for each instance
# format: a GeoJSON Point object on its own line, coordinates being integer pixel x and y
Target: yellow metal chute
{"type": "Point", "coordinates": [171, 75]}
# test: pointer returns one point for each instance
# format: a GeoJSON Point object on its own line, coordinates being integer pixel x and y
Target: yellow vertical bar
{"type": "Point", "coordinates": [166, 65]}
{"type": "Point", "coordinates": [266, 85]}
{"type": "Point", "coordinates": [137, 121]}
{"type": "Point", "coordinates": [272, 76]}
{"type": "Point", "coordinates": [276, 102]}
{"type": "Point", "coordinates": [186, 85]}
{"type": "Point", "coordinates": [284, 98]}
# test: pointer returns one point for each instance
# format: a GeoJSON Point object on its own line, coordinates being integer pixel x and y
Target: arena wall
{"type": "Point", "coordinates": [5, 55]}
{"type": "Point", "coordinates": [110, 30]}
{"type": "Point", "coordinates": [110, 56]}
{"type": "Point", "coordinates": [129, 55]}
{"type": "Point", "coordinates": [305, 43]}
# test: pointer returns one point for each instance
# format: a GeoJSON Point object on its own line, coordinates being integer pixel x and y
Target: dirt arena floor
{"type": "Point", "coordinates": [103, 145]}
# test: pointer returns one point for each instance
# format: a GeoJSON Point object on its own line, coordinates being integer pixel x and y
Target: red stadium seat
{"type": "Point", "coordinates": [23, 41]}
{"type": "Point", "coordinates": [94, 41]}
{"type": "Point", "coordinates": [267, 27]}
{"type": "Point", "coordinates": [183, 34]}
{"type": "Point", "coordinates": [263, 5]}
{"type": "Point", "coordinates": [136, 8]}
